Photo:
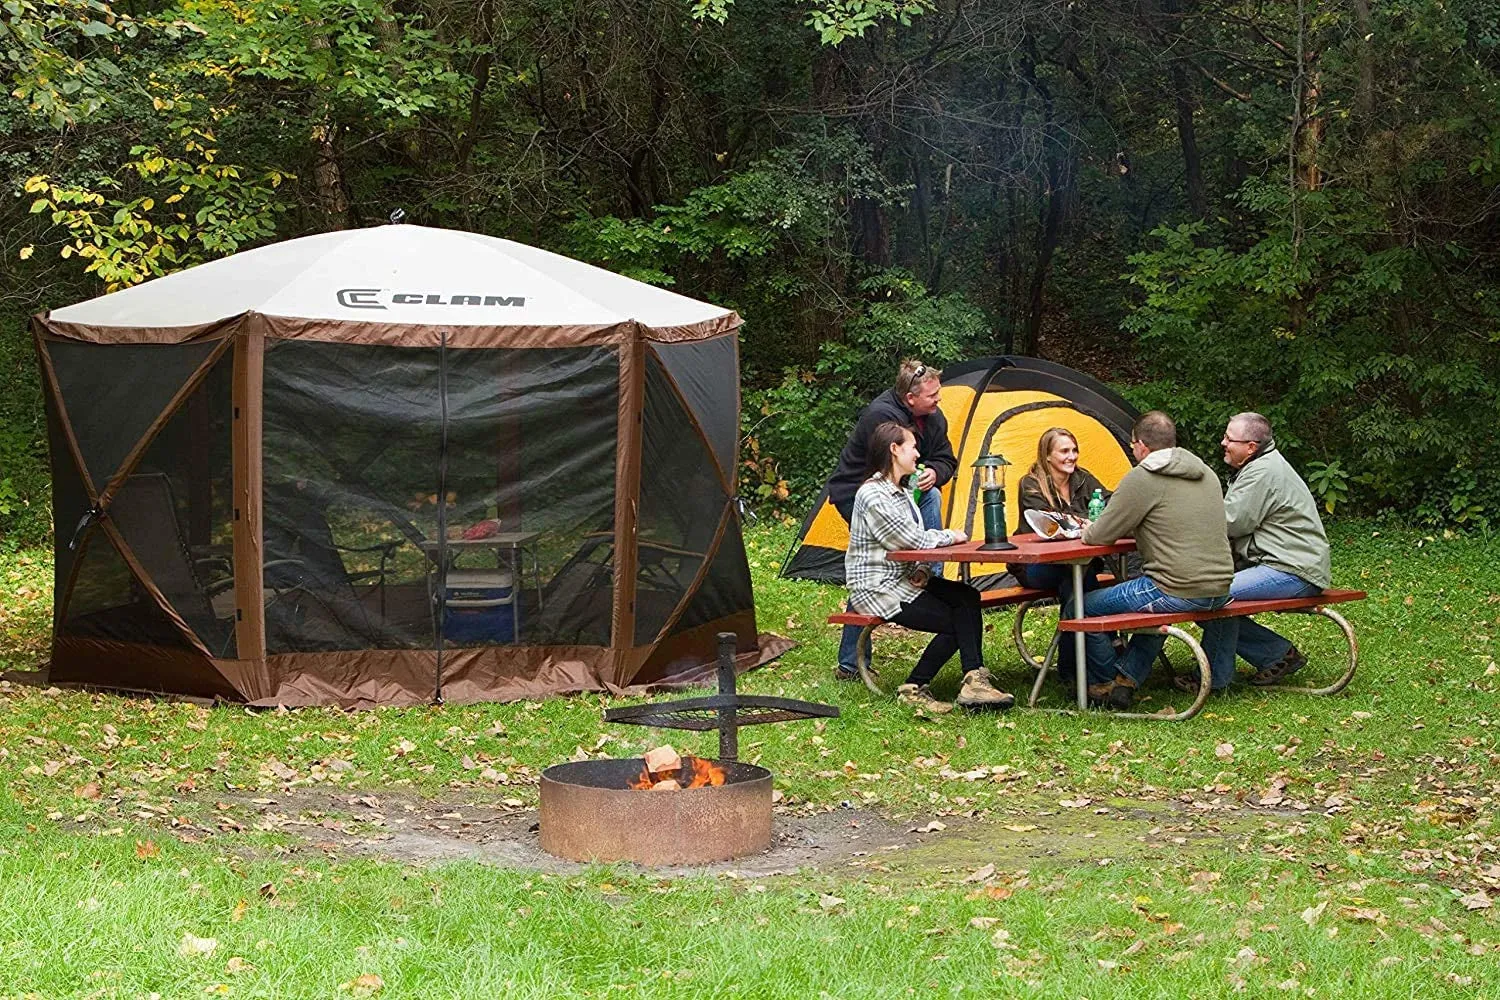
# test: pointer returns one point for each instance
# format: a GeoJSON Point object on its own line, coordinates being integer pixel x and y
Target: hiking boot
{"type": "Point", "coordinates": [843, 673]}
{"type": "Point", "coordinates": [922, 697]}
{"type": "Point", "coordinates": [1283, 668]}
{"type": "Point", "coordinates": [1118, 693]}
{"type": "Point", "coordinates": [979, 692]}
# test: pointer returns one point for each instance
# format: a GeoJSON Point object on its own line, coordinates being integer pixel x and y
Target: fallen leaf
{"type": "Point", "coordinates": [88, 791]}
{"type": "Point", "coordinates": [1020, 827]}
{"type": "Point", "coordinates": [983, 923]}
{"type": "Point", "coordinates": [830, 902]}
{"type": "Point", "coordinates": [1312, 913]}
{"type": "Point", "coordinates": [1224, 751]}
{"type": "Point", "coordinates": [1362, 914]}
{"type": "Point", "coordinates": [192, 946]}
{"type": "Point", "coordinates": [239, 912]}
{"type": "Point", "coordinates": [363, 986]}
{"type": "Point", "coordinates": [981, 874]}
{"type": "Point", "coordinates": [1477, 901]}
{"type": "Point", "coordinates": [932, 827]}
{"type": "Point", "coordinates": [238, 964]}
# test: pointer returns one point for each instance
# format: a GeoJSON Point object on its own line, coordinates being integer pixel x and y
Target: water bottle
{"type": "Point", "coordinates": [916, 491]}
{"type": "Point", "coordinates": [1096, 505]}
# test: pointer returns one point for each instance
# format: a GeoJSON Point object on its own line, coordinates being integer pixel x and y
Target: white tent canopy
{"type": "Point", "coordinates": [397, 274]}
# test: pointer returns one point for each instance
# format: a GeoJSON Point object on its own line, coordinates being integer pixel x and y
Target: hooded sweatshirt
{"type": "Point", "coordinates": [1172, 505]}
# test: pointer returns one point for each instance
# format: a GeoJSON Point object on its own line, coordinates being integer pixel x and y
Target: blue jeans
{"type": "Point", "coordinates": [930, 507]}
{"type": "Point", "coordinates": [1253, 642]}
{"type": "Point", "coordinates": [1142, 594]}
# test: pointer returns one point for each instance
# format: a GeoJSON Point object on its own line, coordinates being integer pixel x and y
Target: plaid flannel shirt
{"type": "Point", "coordinates": [885, 518]}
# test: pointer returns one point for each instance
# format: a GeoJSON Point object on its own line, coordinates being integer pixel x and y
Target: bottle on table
{"type": "Point", "coordinates": [1096, 505]}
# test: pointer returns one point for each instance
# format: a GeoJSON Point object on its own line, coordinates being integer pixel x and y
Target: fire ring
{"type": "Point", "coordinates": [589, 813]}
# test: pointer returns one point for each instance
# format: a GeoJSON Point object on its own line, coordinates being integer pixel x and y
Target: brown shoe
{"type": "Point", "coordinates": [1283, 668]}
{"type": "Point", "coordinates": [922, 698]}
{"type": "Point", "coordinates": [979, 693]}
{"type": "Point", "coordinates": [1099, 694]}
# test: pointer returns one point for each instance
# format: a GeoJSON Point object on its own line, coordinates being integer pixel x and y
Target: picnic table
{"type": "Point", "coordinates": [1030, 550]}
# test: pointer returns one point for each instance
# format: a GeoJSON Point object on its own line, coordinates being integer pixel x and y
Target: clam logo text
{"type": "Point", "coordinates": [370, 298]}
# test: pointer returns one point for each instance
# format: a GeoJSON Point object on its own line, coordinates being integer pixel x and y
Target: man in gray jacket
{"type": "Point", "coordinates": [1280, 548]}
{"type": "Point", "coordinates": [1171, 505]}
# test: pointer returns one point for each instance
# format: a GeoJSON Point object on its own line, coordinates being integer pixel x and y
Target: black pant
{"type": "Point", "coordinates": [951, 610]}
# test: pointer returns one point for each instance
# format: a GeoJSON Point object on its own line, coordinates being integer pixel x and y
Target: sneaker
{"type": "Point", "coordinates": [979, 692]}
{"type": "Point", "coordinates": [1283, 668]}
{"type": "Point", "coordinates": [843, 673]}
{"type": "Point", "coordinates": [923, 698]}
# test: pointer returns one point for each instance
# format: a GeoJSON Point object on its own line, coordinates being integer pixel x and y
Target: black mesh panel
{"type": "Point", "coordinates": [70, 501]}
{"type": "Point", "coordinates": [707, 373]}
{"type": "Point", "coordinates": [726, 586]}
{"type": "Point", "coordinates": [113, 392]}
{"type": "Point", "coordinates": [176, 513]}
{"type": "Point", "coordinates": [681, 501]}
{"type": "Point", "coordinates": [531, 440]}
{"type": "Point", "coordinates": [108, 602]}
{"type": "Point", "coordinates": [352, 437]}
{"type": "Point", "coordinates": [350, 445]}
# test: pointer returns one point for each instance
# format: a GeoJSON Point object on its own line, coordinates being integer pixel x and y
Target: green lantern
{"type": "Point", "coordinates": [992, 488]}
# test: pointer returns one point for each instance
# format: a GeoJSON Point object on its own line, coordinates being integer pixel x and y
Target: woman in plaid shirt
{"type": "Point", "coordinates": [886, 518]}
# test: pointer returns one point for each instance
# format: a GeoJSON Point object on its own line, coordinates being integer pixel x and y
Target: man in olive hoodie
{"type": "Point", "coordinates": [1171, 504]}
{"type": "Point", "coordinates": [1280, 548]}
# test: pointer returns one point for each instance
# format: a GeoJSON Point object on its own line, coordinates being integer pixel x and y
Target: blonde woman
{"type": "Point", "coordinates": [1058, 484]}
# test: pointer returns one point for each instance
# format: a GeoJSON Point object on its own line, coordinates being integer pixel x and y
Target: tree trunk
{"type": "Point", "coordinates": [1364, 90]}
{"type": "Point", "coordinates": [1187, 136]}
{"type": "Point", "coordinates": [328, 178]}
{"type": "Point", "coordinates": [1052, 216]}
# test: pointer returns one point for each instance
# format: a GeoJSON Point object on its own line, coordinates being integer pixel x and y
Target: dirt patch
{"type": "Point", "coordinates": [1031, 834]}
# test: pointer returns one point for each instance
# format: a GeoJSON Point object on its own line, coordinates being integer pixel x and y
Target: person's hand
{"type": "Point", "coordinates": [927, 479]}
{"type": "Point", "coordinates": [960, 536]}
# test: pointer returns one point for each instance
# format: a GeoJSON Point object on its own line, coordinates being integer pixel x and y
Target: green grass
{"type": "Point", "coordinates": [126, 824]}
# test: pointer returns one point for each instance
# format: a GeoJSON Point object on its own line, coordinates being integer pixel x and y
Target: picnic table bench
{"type": "Point", "coordinates": [1166, 623]}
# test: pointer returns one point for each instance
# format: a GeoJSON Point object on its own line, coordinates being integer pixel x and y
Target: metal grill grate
{"type": "Point", "coordinates": [726, 711]}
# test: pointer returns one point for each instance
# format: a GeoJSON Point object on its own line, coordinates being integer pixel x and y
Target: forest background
{"type": "Point", "coordinates": [1215, 205]}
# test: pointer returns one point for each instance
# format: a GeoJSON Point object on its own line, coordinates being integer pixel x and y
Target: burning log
{"type": "Point", "coordinates": [663, 759]}
{"type": "Point", "coordinates": [665, 770]}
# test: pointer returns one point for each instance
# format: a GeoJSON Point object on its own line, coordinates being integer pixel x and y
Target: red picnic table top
{"type": "Point", "coordinates": [1029, 549]}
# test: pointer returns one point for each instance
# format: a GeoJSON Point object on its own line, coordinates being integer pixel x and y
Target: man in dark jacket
{"type": "Point", "coordinates": [912, 402]}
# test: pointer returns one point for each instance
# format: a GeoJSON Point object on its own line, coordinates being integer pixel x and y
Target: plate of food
{"type": "Point", "coordinates": [1054, 527]}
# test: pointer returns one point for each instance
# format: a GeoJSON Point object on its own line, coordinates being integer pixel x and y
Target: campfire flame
{"type": "Point", "coordinates": [694, 773]}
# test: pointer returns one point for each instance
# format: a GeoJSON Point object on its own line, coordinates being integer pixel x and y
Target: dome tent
{"type": "Point", "coordinates": [999, 405]}
{"type": "Point", "coordinates": [257, 464]}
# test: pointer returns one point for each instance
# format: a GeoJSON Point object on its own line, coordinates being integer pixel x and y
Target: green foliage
{"type": "Point", "coordinates": [1319, 320]}
{"type": "Point", "coordinates": [837, 20]}
{"type": "Point", "coordinates": [1328, 482]}
{"type": "Point", "coordinates": [55, 54]}
{"type": "Point", "coordinates": [167, 212]}
{"type": "Point", "coordinates": [25, 509]}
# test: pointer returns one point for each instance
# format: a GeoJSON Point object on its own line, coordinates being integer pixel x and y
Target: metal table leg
{"type": "Point", "coordinates": [1078, 637]}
